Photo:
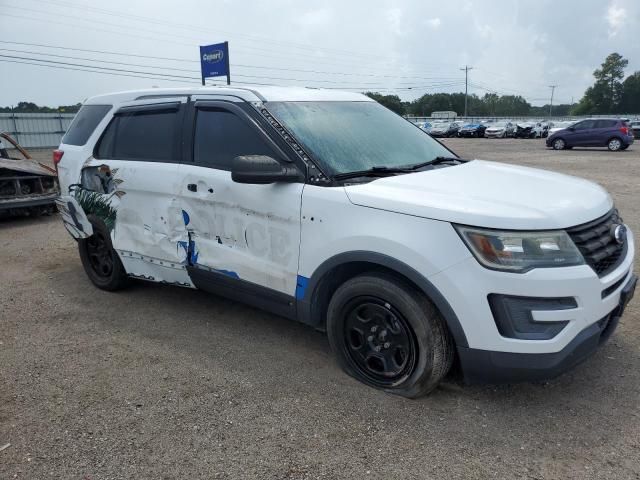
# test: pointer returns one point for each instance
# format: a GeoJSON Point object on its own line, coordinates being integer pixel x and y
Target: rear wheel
{"type": "Point", "coordinates": [100, 261]}
{"type": "Point", "coordinates": [559, 144]}
{"type": "Point", "coordinates": [388, 335]}
{"type": "Point", "coordinates": [614, 144]}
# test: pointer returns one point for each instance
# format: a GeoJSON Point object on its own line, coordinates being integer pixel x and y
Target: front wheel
{"type": "Point", "coordinates": [559, 144]}
{"type": "Point", "coordinates": [388, 335]}
{"type": "Point", "coordinates": [100, 261]}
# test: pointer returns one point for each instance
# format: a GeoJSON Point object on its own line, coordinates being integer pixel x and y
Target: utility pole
{"type": "Point", "coordinates": [466, 86]}
{"type": "Point", "coordinates": [552, 87]}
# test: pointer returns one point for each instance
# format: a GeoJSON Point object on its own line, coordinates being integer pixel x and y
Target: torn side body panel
{"type": "Point", "coordinates": [143, 217]}
{"type": "Point", "coordinates": [73, 217]}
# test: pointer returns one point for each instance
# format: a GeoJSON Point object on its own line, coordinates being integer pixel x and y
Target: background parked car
{"type": "Point", "coordinates": [557, 126]}
{"type": "Point", "coordinates": [524, 130]}
{"type": "Point", "coordinates": [426, 126]}
{"type": "Point", "coordinates": [542, 129]}
{"type": "Point", "coordinates": [472, 130]}
{"type": "Point", "coordinates": [613, 133]}
{"type": "Point", "coordinates": [444, 129]}
{"type": "Point", "coordinates": [635, 126]}
{"type": "Point", "coordinates": [499, 130]}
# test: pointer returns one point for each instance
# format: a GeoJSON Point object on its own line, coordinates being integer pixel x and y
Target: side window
{"type": "Point", "coordinates": [145, 136]}
{"type": "Point", "coordinates": [584, 125]}
{"type": "Point", "coordinates": [84, 123]}
{"type": "Point", "coordinates": [605, 123]}
{"type": "Point", "coordinates": [220, 136]}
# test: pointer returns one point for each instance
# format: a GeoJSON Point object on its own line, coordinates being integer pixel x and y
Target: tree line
{"type": "Point", "coordinates": [610, 94]}
{"type": "Point", "coordinates": [30, 107]}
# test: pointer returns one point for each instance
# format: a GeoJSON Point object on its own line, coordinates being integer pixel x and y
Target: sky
{"type": "Point", "coordinates": [407, 48]}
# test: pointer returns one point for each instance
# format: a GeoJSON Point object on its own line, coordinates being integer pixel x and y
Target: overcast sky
{"type": "Point", "coordinates": [409, 48]}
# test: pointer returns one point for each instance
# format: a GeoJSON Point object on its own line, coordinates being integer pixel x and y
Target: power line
{"type": "Point", "coordinates": [162, 76]}
{"type": "Point", "coordinates": [235, 65]}
{"type": "Point", "coordinates": [207, 29]}
{"type": "Point", "coordinates": [363, 86]}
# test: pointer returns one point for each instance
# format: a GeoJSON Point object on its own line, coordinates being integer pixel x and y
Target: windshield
{"type": "Point", "coordinates": [353, 136]}
{"type": "Point", "coordinates": [499, 125]}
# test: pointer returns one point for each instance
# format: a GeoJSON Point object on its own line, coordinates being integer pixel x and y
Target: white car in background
{"type": "Point", "coordinates": [499, 130]}
{"type": "Point", "coordinates": [557, 126]}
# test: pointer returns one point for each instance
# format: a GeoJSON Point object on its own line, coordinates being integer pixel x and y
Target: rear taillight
{"type": "Point", "coordinates": [57, 156]}
{"type": "Point", "coordinates": [625, 130]}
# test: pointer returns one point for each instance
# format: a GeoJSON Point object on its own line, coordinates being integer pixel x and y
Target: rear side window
{"type": "Point", "coordinates": [606, 123]}
{"type": "Point", "coordinates": [84, 123]}
{"type": "Point", "coordinates": [146, 136]}
{"type": "Point", "coordinates": [220, 136]}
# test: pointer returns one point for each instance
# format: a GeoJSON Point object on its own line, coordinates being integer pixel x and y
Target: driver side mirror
{"type": "Point", "coordinates": [262, 170]}
{"type": "Point", "coordinates": [571, 129]}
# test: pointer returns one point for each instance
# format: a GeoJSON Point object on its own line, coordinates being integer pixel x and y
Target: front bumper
{"type": "Point", "coordinates": [485, 366]}
{"type": "Point", "coordinates": [488, 354]}
{"type": "Point", "coordinates": [494, 134]}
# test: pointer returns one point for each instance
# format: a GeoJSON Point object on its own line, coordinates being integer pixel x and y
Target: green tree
{"type": "Point", "coordinates": [630, 102]}
{"type": "Point", "coordinates": [605, 95]}
{"type": "Point", "coordinates": [392, 102]}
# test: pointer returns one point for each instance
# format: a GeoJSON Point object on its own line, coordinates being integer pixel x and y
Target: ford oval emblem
{"type": "Point", "coordinates": [619, 233]}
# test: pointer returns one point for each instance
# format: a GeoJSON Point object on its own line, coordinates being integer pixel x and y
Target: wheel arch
{"type": "Point", "coordinates": [332, 273]}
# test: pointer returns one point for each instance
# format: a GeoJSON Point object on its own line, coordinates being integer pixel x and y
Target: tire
{"type": "Point", "coordinates": [614, 144]}
{"type": "Point", "coordinates": [559, 144]}
{"type": "Point", "coordinates": [100, 261]}
{"type": "Point", "coordinates": [388, 335]}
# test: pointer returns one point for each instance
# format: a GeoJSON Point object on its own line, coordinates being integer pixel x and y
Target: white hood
{"type": "Point", "coordinates": [488, 194]}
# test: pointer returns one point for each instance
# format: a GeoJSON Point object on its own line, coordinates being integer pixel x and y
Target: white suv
{"type": "Point", "coordinates": [325, 207]}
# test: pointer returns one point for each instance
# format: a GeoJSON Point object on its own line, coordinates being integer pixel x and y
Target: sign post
{"type": "Point", "coordinates": [214, 61]}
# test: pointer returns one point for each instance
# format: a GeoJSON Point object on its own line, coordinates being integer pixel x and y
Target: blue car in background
{"type": "Point", "coordinates": [472, 130]}
{"type": "Point", "coordinates": [613, 133]}
{"type": "Point", "coordinates": [426, 126]}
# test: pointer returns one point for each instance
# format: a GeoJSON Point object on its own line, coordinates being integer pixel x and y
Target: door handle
{"type": "Point", "coordinates": [192, 187]}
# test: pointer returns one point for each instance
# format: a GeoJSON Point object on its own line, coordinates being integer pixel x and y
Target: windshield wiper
{"type": "Point", "coordinates": [372, 172]}
{"type": "Point", "coordinates": [386, 171]}
{"type": "Point", "coordinates": [435, 161]}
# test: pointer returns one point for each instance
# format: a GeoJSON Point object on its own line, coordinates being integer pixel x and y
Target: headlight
{"type": "Point", "coordinates": [520, 252]}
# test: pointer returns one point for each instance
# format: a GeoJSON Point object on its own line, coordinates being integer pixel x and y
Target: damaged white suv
{"type": "Point", "coordinates": [325, 207]}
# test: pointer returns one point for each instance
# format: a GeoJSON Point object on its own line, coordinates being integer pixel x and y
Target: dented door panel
{"type": "Point", "coordinates": [248, 232]}
{"type": "Point", "coordinates": [137, 202]}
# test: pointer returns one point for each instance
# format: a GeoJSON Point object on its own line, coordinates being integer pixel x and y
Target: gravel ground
{"type": "Point", "coordinates": [161, 382]}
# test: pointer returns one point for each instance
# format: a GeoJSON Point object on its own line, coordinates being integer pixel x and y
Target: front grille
{"type": "Point", "coordinates": [597, 244]}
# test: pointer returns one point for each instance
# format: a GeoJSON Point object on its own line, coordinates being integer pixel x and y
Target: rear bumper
{"type": "Point", "coordinates": [485, 366]}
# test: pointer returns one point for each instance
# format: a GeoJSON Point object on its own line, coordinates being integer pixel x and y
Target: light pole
{"type": "Point", "coordinates": [466, 86]}
{"type": "Point", "coordinates": [552, 87]}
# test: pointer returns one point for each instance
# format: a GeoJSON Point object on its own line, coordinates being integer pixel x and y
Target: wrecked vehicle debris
{"type": "Point", "coordinates": [27, 187]}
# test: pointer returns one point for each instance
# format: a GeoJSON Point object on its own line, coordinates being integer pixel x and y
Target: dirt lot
{"type": "Point", "coordinates": [161, 382]}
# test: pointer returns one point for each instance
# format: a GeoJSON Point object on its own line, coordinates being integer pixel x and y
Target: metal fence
{"type": "Point", "coordinates": [36, 130]}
